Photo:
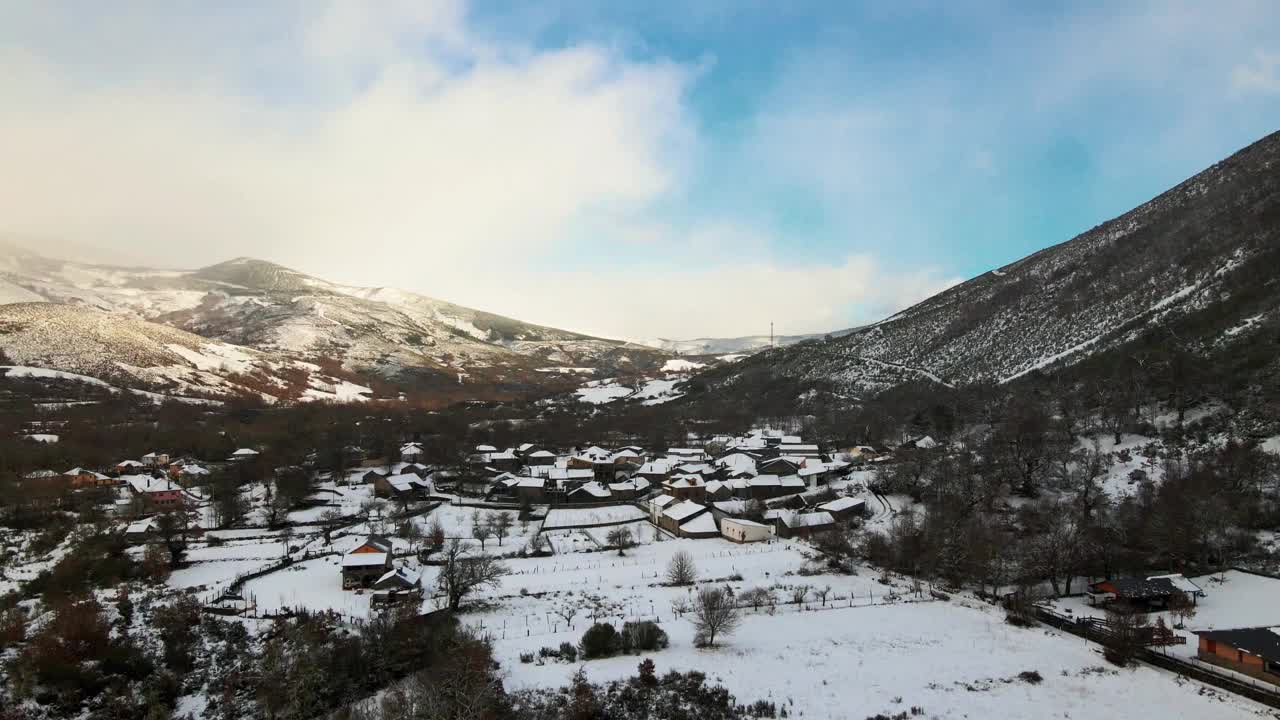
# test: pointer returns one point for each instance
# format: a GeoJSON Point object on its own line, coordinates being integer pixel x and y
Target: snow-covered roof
{"type": "Point", "coordinates": [410, 577]}
{"type": "Point", "coordinates": [542, 453]}
{"type": "Point", "coordinates": [594, 489]}
{"type": "Point", "coordinates": [703, 523]}
{"type": "Point", "coordinates": [532, 482]}
{"type": "Point", "coordinates": [364, 559]}
{"type": "Point", "coordinates": [662, 501]}
{"type": "Point", "coordinates": [843, 503]}
{"type": "Point", "coordinates": [244, 452]}
{"type": "Point", "coordinates": [146, 483]}
{"type": "Point", "coordinates": [194, 470]}
{"type": "Point", "coordinates": [764, 481]}
{"type": "Point", "coordinates": [812, 519]}
{"type": "Point", "coordinates": [684, 510]}
{"type": "Point", "coordinates": [128, 463]}
{"type": "Point", "coordinates": [792, 481]}
{"type": "Point", "coordinates": [1180, 582]}
{"type": "Point", "coordinates": [731, 507]}
{"type": "Point", "coordinates": [486, 448]}
{"type": "Point", "coordinates": [141, 526]}
{"type": "Point", "coordinates": [655, 467]}
{"type": "Point", "coordinates": [746, 522]}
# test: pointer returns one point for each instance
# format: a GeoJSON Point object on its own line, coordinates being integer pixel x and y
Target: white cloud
{"type": "Point", "coordinates": [1260, 75]}
{"type": "Point", "coordinates": [732, 300]}
{"type": "Point", "coordinates": [391, 144]}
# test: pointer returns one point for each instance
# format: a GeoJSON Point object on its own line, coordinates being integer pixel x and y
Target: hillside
{"type": "Point", "coordinates": [411, 340]}
{"type": "Point", "coordinates": [75, 343]}
{"type": "Point", "coordinates": [1198, 262]}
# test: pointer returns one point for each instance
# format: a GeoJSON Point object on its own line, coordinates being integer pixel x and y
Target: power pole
{"type": "Point", "coordinates": [770, 333]}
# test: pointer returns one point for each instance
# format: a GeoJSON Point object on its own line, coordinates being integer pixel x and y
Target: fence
{"type": "Point", "coordinates": [549, 623]}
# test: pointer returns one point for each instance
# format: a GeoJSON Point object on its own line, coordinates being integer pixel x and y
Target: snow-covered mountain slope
{"type": "Point", "coordinates": [390, 333]}
{"type": "Point", "coordinates": [1208, 248]}
{"type": "Point", "coordinates": [65, 340]}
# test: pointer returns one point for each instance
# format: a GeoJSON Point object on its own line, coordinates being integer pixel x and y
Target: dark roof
{"type": "Point", "coordinates": [1261, 641]}
{"type": "Point", "coordinates": [1140, 588]}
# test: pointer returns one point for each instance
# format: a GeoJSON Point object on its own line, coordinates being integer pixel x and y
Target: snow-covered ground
{"type": "Point", "coordinates": [581, 517]}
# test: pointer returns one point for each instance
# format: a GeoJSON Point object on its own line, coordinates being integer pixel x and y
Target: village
{"type": "Point", "coordinates": [588, 535]}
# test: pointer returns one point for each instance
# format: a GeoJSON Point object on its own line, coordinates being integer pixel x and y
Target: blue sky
{"type": "Point", "coordinates": [690, 168]}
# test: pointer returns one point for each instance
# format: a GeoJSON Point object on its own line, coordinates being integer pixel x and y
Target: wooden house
{"type": "Point", "coordinates": [365, 564]}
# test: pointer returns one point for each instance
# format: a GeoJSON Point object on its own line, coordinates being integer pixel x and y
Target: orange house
{"type": "Point", "coordinates": [1252, 651]}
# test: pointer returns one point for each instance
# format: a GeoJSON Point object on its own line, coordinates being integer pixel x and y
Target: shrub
{"type": "Point", "coordinates": [1030, 676]}
{"type": "Point", "coordinates": [600, 640]}
{"type": "Point", "coordinates": [643, 636]}
{"type": "Point", "coordinates": [568, 652]}
{"type": "Point", "coordinates": [527, 657]}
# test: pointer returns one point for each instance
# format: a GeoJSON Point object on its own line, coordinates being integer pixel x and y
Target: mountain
{"type": "Point", "coordinates": [730, 346]}
{"type": "Point", "coordinates": [65, 342]}
{"type": "Point", "coordinates": [384, 334]}
{"type": "Point", "coordinates": [1198, 262]}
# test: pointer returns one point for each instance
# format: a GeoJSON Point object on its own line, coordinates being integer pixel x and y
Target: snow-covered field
{"type": "Point", "coordinates": [583, 517]}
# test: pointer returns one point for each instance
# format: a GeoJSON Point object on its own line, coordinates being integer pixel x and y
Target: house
{"type": "Point", "coordinates": [686, 487]}
{"type": "Point", "coordinates": [740, 530]}
{"type": "Point", "coordinates": [531, 490]}
{"type": "Point", "coordinates": [128, 466]}
{"type": "Point", "coordinates": [156, 493]}
{"type": "Point", "coordinates": [399, 579]}
{"type": "Point", "coordinates": [845, 509]}
{"type": "Point", "coordinates": [82, 478]}
{"type": "Point", "coordinates": [503, 461]}
{"type": "Point", "coordinates": [797, 524]}
{"type": "Point", "coordinates": [780, 465]}
{"type": "Point", "coordinates": [799, 450]}
{"type": "Point", "coordinates": [1137, 594]}
{"type": "Point", "coordinates": [540, 458]}
{"type": "Point", "coordinates": [590, 492]}
{"type": "Point", "coordinates": [627, 489]}
{"type": "Point", "coordinates": [140, 530]}
{"type": "Point", "coordinates": [702, 525]}
{"type": "Point", "coordinates": [243, 455]}
{"type": "Point", "coordinates": [411, 452]}
{"type": "Point", "coordinates": [655, 471]}
{"type": "Point", "coordinates": [658, 505]}
{"type": "Point", "coordinates": [155, 460]}
{"type": "Point", "coordinates": [365, 564]}
{"type": "Point", "coordinates": [678, 514]}
{"type": "Point", "coordinates": [718, 490]}
{"type": "Point", "coordinates": [407, 485]}
{"type": "Point", "coordinates": [188, 474]}
{"type": "Point", "coordinates": [685, 455]}
{"type": "Point", "coordinates": [1252, 651]}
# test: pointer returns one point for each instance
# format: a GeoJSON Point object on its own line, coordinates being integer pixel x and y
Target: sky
{"type": "Point", "coordinates": [630, 169]}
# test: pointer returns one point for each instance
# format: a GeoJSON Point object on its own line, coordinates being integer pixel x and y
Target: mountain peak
{"type": "Point", "coordinates": [258, 274]}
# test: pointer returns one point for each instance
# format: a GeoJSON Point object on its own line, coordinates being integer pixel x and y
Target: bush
{"type": "Point", "coordinates": [643, 636]}
{"type": "Point", "coordinates": [1030, 676]}
{"type": "Point", "coordinates": [600, 640]}
{"type": "Point", "coordinates": [568, 652]}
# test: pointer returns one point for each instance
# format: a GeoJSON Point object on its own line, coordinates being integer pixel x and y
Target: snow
{"type": "Point", "coordinates": [561, 517]}
{"type": "Point", "coordinates": [42, 437]}
{"type": "Point", "coordinates": [679, 365]}
{"type": "Point", "coordinates": [340, 391]}
{"type": "Point", "coordinates": [598, 394]}
{"type": "Point", "coordinates": [731, 358]}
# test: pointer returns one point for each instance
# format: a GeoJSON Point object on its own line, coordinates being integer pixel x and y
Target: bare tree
{"type": "Point", "coordinates": [435, 534]}
{"type": "Point", "coordinates": [463, 574]}
{"type": "Point", "coordinates": [328, 519]}
{"type": "Point", "coordinates": [799, 593]}
{"type": "Point", "coordinates": [714, 614]}
{"type": "Point", "coordinates": [681, 570]}
{"type": "Point", "coordinates": [758, 597]}
{"type": "Point", "coordinates": [481, 529]}
{"type": "Point", "coordinates": [823, 593]}
{"type": "Point", "coordinates": [501, 523]}
{"type": "Point", "coordinates": [620, 537]}
{"type": "Point", "coordinates": [566, 611]}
